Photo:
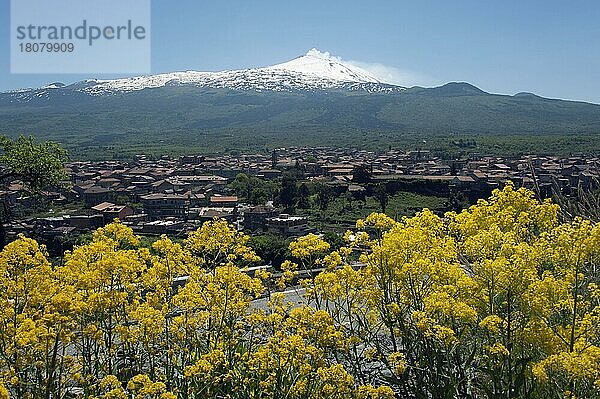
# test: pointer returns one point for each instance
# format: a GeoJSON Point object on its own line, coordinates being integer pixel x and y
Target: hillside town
{"type": "Point", "coordinates": [176, 195]}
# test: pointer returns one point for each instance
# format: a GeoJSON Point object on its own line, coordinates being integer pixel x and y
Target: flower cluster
{"type": "Point", "coordinates": [500, 300]}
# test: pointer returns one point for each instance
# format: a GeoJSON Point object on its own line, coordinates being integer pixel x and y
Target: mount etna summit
{"type": "Point", "coordinates": [313, 99]}
{"type": "Point", "coordinates": [313, 71]}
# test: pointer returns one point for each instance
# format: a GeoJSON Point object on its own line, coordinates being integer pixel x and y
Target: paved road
{"type": "Point", "coordinates": [293, 295]}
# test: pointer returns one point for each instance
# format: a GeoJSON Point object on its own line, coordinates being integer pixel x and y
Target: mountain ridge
{"type": "Point", "coordinates": [315, 100]}
{"type": "Point", "coordinates": [312, 71]}
{"type": "Point", "coordinates": [315, 70]}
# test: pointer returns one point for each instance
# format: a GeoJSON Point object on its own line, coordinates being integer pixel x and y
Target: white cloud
{"type": "Point", "coordinates": [315, 52]}
{"type": "Point", "coordinates": [384, 73]}
{"type": "Point", "coordinates": [395, 75]}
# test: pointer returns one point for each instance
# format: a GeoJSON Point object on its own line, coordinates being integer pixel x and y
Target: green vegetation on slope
{"type": "Point", "coordinates": [176, 120]}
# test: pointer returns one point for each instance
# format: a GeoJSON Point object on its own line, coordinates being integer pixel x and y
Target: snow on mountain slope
{"type": "Point", "coordinates": [313, 71]}
{"type": "Point", "coordinates": [324, 65]}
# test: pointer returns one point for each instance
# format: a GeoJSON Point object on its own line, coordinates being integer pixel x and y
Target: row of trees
{"type": "Point", "coordinates": [290, 193]}
{"type": "Point", "coordinates": [287, 192]}
{"type": "Point", "coordinates": [498, 301]}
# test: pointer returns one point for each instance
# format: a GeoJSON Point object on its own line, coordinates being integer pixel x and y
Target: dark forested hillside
{"type": "Point", "coordinates": [173, 119]}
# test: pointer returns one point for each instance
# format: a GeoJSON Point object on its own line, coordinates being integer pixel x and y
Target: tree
{"type": "Point", "coordinates": [289, 192]}
{"type": "Point", "coordinates": [303, 194]}
{"type": "Point", "coordinates": [38, 166]}
{"type": "Point", "coordinates": [255, 190]}
{"type": "Point", "coordinates": [361, 174]}
{"type": "Point", "coordinates": [335, 240]}
{"type": "Point", "coordinates": [382, 195]}
{"type": "Point", "coordinates": [457, 201]}
{"type": "Point", "coordinates": [348, 197]}
{"type": "Point", "coordinates": [272, 249]}
{"type": "Point", "coordinates": [241, 185]}
{"type": "Point", "coordinates": [324, 195]}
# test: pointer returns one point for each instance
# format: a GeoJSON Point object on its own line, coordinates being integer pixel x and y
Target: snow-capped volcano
{"type": "Point", "coordinates": [325, 65]}
{"type": "Point", "coordinates": [313, 71]}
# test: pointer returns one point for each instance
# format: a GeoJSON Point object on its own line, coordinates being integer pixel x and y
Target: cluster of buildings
{"type": "Point", "coordinates": [175, 195]}
{"type": "Point", "coordinates": [164, 196]}
{"type": "Point", "coordinates": [543, 173]}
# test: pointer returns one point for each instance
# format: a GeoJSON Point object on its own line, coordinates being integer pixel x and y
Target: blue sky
{"type": "Point", "coordinates": [546, 47]}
